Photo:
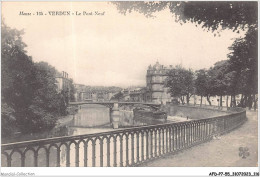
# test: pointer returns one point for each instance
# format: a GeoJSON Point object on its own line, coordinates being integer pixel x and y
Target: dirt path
{"type": "Point", "coordinates": [222, 152]}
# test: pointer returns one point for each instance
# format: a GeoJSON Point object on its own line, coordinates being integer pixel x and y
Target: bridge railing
{"type": "Point", "coordinates": [127, 147]}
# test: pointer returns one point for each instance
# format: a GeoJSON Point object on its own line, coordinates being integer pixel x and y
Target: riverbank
{"type": "Point", "coordinates": [220, 152]}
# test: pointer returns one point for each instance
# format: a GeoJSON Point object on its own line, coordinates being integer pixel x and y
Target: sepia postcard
{"type": "Point", "coordinates": [136, 84]}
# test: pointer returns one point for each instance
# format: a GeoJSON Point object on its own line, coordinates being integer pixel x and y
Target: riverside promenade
{"type": "Point", "coordinates": [222, 151]}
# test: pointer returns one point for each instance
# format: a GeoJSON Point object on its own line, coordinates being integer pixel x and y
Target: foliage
{"type": "Point", "coordinates": [212, 15]}
{"type": "Point", "coordinates": [243, 60]}
{"type": "Point", "coordinates": [201, 82]}
{"type": "Point", "coordinates": [30, 101]}
{"type": "Point", "coordinates": [180, 83]}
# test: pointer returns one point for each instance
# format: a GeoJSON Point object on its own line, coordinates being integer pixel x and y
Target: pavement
{"type": "Point", "coordinates": [220, 152]}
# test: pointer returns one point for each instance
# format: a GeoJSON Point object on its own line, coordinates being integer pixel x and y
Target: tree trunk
{"type": "Point", "coordinates": [201, 100]}
{"type": "Point", "coordinates": [208, 99]}
{"type": "Point", "coordinates": [242, 100]}
{"type": "Point", "coordinates": [235, 102]}
{"type": "Point", "coordinates": [250, 102]}
{"type": "Point", "coordinates": [227, 101]}
{"type": "Point", "coordinates": [254, 102]}
{"type": "Point", "coordinates": [187, 99]}
{"type": "Point", "coordinates": [220, 104]}
{"type": "Point", "coordinates": [181, 100]}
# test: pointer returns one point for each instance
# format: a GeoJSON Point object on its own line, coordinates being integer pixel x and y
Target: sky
{"type": "Point", "coordinates": [112, 49]}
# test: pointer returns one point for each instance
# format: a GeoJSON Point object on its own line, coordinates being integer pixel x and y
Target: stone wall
{"type": "Point", "coordinates": [192, 112]}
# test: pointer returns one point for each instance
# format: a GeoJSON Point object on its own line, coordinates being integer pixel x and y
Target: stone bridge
{"type": "Point", "coordinates": [114, 108]}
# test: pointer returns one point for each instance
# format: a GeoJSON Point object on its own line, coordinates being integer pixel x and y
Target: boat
{"type": "Point", "coordinates": [148, 113]}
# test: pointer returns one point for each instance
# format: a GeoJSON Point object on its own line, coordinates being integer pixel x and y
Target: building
{"type": "Point", "coordinates": [64, 83]}
{"type": "Point", "coordinates": [155, 90]}
{"type": "Point", "coordinates": [138, 95]}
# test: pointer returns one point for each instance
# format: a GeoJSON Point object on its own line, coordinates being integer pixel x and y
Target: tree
{"type": "Point", "coordinates": [243, 61]}
{"type": "Point", "coordinates": [18, 80]}
{"type": "Point", "coordinates": [180, 83]}
{"type": "Point", "coordinates": [221, 79]}
{"type": "Point", "coordinates": [216, 16]}
{"type": "Point", "coordinates": [213, 16]}
{"type": "Point", "coordinates": [201, 83]}
{"type": "Point", "coordinates": [30, 101]}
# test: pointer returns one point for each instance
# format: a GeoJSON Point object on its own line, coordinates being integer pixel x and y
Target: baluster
{"type": "Point", "coordinates": [167, 139]}
{"type": "Point", "coordinates": [142, 146]}
{"type": "Point", "coordinates": [151, 144]}
{"type": "Point", "coordinates": [196, 131]}
{"type": "Point", "coordinates": [85, 154]}
{"type": "Point", "coordinates": [36, 158]}
{"type": "Point", "coordinates": [170, 139]}
{"type": "Point", "coordinates": [58, 157]}
{"type": "Point", "coordinates": [94, 152]}
{"type": "Point", "coordinates": [77, 154]}
{"type": "Point", "coordinates": [23, 159]}
{"type": "Point", "coordinates": [159, 134]}
{"type": "Point", "coordinates": [185, 135]}
{"type": "Point", "coordinates": [121, 150]}
{"type": "Point", "coordinates": [193, 132]}
{"type": "Point", "coordinates": [137, 146]}
{"type": "Point", "coordinates": [115, 162]}
{"type": "Point", "coordinates": [207, 133]}
{"type": "Point", "coordinates": [132, 147]}
{"type": "Point", "coordinates": [179, 137]}
{"type": "Point", "coordinates": [188, 134]}
{"type": "Point", "coordinates": [155, 143]}
{"type": "Point", "coordinates": [108, 151]}
{"type": "Point", "coordinates": [176, 137]}
{"type": "Point", "coordinates": [199, 132]}
{"type": "Point", "coordinates": [163, 151]}
{"type": "Point", "coordinates": [127, 151]}
{"type": "Point", "coordinates": [47, 158]}
{"type": "Point", "coordinates": [101, 152]}
{"type": "Point", "coordinates": [147, 144]}
{"type": "Point", "coordinates": [9, 160]}
{"type": "Point", "coordinates": [204, 130]}
{"type": "Point", "coordinates": [68, 156]}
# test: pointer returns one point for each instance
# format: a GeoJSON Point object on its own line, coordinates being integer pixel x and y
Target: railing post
{"type": "Point", "coordinates": [36, 158]}
{"type": "Point", "coordinates": [108, 151]}
{"type": "Point", "coordinates": [58, 157]}
{"type": "Point", "coordinates": [132, 148]}
{"type": "Point", "coordinates": [9, 160]}
{"type": "Point", "coordinates": [68, 156]}
{"type": "Point", "coordinates": [163, 147]}
{"type": "Point", "coordinates": [121, 150]}
{"type": "Point", "coordinates": [127, 150]}
{"type": "Point", "coordinates": [77, 155]}
{"type": "Point", "coordinates": [101, 152]}
{"type": "Point", "coordinates": [137, 146]}
{"type": "Point", "coordinates": [170, 139]}
{"type": "Point", "coordinates": [167, 139]}
{"type": "Point", "coordinates": [142, 146]}
{"type": "Point", "coordinates": [159, 134]}
{"type": "Point", "coordinates": [93, 153]}
{"type": "Point", "coordinates": [85, 154]}
{"type": "Point", "coordinates": [22, 159]}
{"type": "Point", "coordinates": [151, 144]}
{"type": "Point", "coordinates": [155, 143]}
{"type": "Point", "coordinates": [147, 144]}
{"type": "Point", "coordinates": [115, 155]}
{"type": "Point", "coordinates": [47, 158]}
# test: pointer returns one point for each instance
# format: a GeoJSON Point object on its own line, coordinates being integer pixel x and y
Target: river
{"type": "Point", "coordinates": [89, 119]}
